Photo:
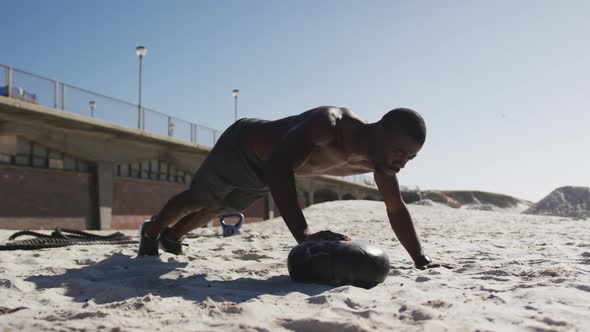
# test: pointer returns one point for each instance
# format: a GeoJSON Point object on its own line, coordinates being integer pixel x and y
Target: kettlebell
{"type": "Point", "coordinates": [228, 229]}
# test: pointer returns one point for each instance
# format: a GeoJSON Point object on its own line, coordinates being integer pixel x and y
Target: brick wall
{"type": "Point", "coordinates": [32, 198]}
{"type": "Point", "coordinates": [256, 212]}
{"type": "Point", "coordinates": [37, 198]}
{"type": "Point", "coordinates": [135, 200]}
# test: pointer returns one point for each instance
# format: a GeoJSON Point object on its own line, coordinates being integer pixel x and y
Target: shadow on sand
{"type": "Point", "coordinates": [122, 277]}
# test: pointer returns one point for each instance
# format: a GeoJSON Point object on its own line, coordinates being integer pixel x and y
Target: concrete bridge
{"type": "Point", "coordinates": [64, 169]}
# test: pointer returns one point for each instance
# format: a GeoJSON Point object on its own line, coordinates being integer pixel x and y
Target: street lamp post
{"type": "Point", "coordinates": [92, 104]}
{"type": "Point", "coordinates": [140, 51]}
{"type": "Point", "coordinates": [235, 93]}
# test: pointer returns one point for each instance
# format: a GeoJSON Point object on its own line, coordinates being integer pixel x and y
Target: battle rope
{"type": "Point", "coordinates": [59, 239]}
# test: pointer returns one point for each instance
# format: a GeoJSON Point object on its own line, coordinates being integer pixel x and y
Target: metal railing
{"type": "Point", "coordinates": [364, 179]}
{"type": "Point", "coordinates": [18, 84]}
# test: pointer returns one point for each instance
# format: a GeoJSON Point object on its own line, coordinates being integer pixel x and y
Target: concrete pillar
{"type": "Point", "coordinates": [271, 206]}
{"type": "Point", "coordinates": [104, 172]}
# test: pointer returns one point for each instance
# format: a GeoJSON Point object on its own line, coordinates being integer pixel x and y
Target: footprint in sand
{"type": "Point", "coordinates": [494, 298]}
{"type": "Point", "coordinates": [553, 272]}
{"type": "Point", "coordinates": [84, 261]}
{"type": "Point", "coordinates": [394, 272]}
{"type": "Point", "coordinates": [248, 256]}
{"type": "Point", "coordinates": [493, 275]}
{"type": "Point", "coordinates": [231, 309]}
{"type": "Point", "coordinates": [491, 278]}
{"type": "Point", "coordinates": [550, 321]}
{"type": "Point", "coordinates": [584, 288]}
{"type": "Point", "coordinates": [468, 264]}
{"type": "Point", "coordinates": [467, 261]}
{"type": "Point", "coordinates": [357, 309]}
{"type": "Point", "coordinates": [437, 304]}
{"type": "Point", "coordinates": [497, 273]}
{"type": "Point", "coordinates": [364, 313]}
{"type": "Point", "coordinates": [559, 280]}
{"type": "Point", "coordinates": [420, 314]}
{"type": "Point", "coordinates": [461, 270]}
{"type": "Point", "coordinates": [320, 299]}
{"type": "Point", "coordinates": [5, 310]}
{"type": "Point", "coordinates": [422, 279]}
{"type": "Point", "coordinates": [194, 258]}
{"type": "Point", "coordinates": [64, 316]}
{"type": "Point", "coordinates": [417, 314]}
{"type": "Point", "coordinates": [351, 304]}
{"type": "Point", "coordinates": [8, 284]}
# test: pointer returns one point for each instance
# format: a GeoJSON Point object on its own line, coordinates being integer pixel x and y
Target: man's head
{"type": "Point", "coordinates": [399, 136]}
{"type": "Point", "coordinates": [405, 121]}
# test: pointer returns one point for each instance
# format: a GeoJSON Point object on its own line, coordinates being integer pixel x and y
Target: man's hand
{"type": "Point", "coordinates": [327, 236]}
{"type": "Point", "coordinates": [425, 262]}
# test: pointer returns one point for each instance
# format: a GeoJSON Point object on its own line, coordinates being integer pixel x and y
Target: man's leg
{"type": "Point", "coordinates": [190, 222]}
{"type": "Point", "coordinates": [171, 238]}
{"type": "Point", "coordinates": [177, 208]}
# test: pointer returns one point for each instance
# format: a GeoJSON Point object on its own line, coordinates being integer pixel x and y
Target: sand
{"type": "Point", "coordinates": [513, 272]}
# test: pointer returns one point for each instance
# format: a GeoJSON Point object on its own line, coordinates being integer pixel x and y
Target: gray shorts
{"type": "Point", "coordinates": [231, 175]}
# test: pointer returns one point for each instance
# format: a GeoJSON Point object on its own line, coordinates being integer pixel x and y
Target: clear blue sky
{"type": "Point", "coordinates": [504, 86]}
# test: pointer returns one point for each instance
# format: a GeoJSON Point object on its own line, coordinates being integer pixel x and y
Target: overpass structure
{"type": "Point", "coordinates": [66, 162]}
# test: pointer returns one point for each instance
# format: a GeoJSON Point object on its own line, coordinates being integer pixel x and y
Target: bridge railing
{"type": "Point", "coordinates": [32, 88]}
{"type": "Point", "coordinates": [364, 179]}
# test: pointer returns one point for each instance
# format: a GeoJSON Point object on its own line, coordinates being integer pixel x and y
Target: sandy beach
{"type": "Point", "coordinates": [512, 272]}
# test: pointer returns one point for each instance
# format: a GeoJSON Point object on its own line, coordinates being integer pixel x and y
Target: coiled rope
{"type": "Point", "coordinates": [58, 238]}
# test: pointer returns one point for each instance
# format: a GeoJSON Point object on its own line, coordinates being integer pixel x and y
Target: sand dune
{"type": "Point", "coordinates": [513, 272]}
{"type": "Point", "coordinates": [568, 201]}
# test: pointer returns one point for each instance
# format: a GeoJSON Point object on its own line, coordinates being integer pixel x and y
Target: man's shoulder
{"type": "Point", "coordinates": [320, 121]}
{"type": "Point", "coordinates": [331, 113]}
{"type": "Point", "coordinates": [334, 110]}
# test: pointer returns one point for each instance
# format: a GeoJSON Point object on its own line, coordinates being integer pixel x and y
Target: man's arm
{"type": "Point", "coordinates": [291, 152]}
{"type": "Point", "coordinates": [399, 218]}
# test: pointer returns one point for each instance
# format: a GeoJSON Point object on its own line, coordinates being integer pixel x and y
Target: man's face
{"type": "Point", "coordinates": [393, 151]}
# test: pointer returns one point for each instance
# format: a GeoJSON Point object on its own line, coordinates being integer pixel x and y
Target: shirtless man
{"type": "Point", "coordinates": [255, 156]}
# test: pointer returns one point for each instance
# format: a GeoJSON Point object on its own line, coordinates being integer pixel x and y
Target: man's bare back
{"type": "Point", "coordinates": [333, 156]}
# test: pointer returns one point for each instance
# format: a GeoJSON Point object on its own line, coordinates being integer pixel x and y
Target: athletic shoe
{"type": "Point", "coordinates": [171, 246]}
{"type": "Point", "coordinates": [147, 245]}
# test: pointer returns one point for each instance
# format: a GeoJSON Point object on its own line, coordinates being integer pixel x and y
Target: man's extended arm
{"type": "Point", "coordinates": [403, 227]}
{"type": "Point", "coordinates": [281, 181]}
{"type": "Point", "coordinates": [279, 172]}
{"type": "Point", "coordinates": [400, 218]}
